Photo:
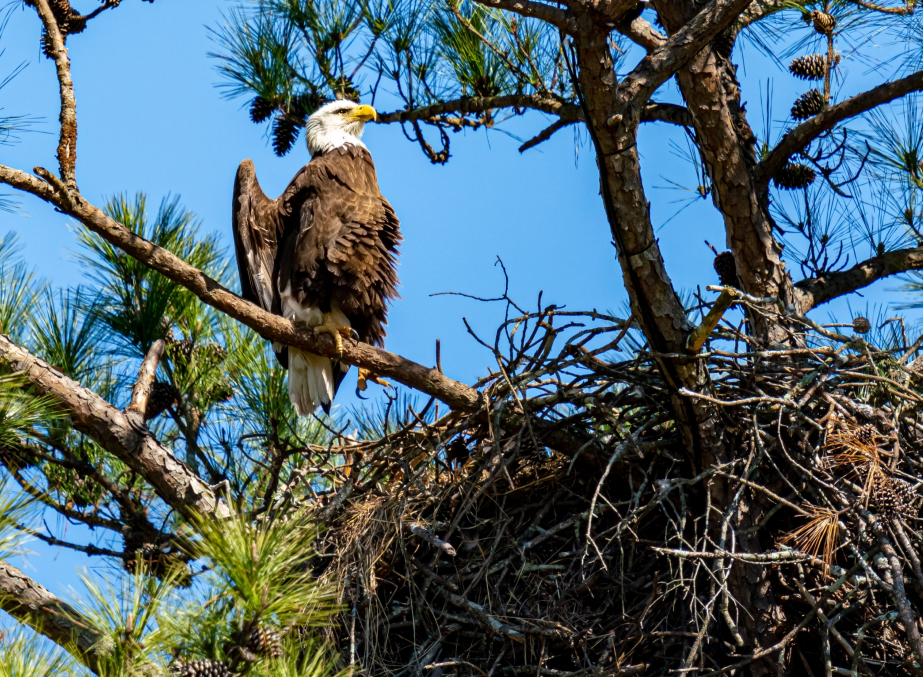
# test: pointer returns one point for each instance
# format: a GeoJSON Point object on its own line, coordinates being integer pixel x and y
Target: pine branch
{"type": "Point", "coordinates": [813, 292]}
{"type": "Point", "coordinates": [113, 431]}
{"type": "Point", "coordinates": [567, 112]}
{"type": "Point", "coordinates": [555, 16]}
{"type": "Point", "coordinates": [642, 33]}
{"type": "Point", "coordinates": [67, 142]}
{"type": "Point", "coordinates": [544, 135]}
{"type": "Point", "coordinates": [29, 602]}
{"type": "Point", "coordinates": [271, 327]}
{"type": "Point", "coordinates": [141, 391]}
{"type": "Point", "coordinates": [663, 62]}
{"type": "Point", "coordinates": [802, 135]}
{"type": "Point", "coordinates": [475, 104]}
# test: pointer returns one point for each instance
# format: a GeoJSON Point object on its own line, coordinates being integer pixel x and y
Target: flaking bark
{"type": "Point", "coordinates": [113, 431]}
{"type": "Point", "coordinates": [31, 603]}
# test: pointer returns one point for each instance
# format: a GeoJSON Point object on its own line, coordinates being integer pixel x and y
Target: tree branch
{"type": "Point", "coordinates": [113, 431]}
{"type": "Point", "coordinates": [555, 16]}
{"type": "Point", "coordinates": [141, 391]}
{"type": "Point", "coordinates": [567, 112]}
{"type": "Point", "coordinates": [799, 137]}
{"type": "Point", "coordinates": [67, 142]}
{"type": "Point", "coordinates": [682, 46]}
{"type": "Point", "coordinates": [475, 104]}
{"type": "Point", "coordinates": [667, 112]}
{"type": "Point", "coordinates": [544, 135]}
{"type": "Point", "coordinates": [271, 327]}
{"type": "Point", "coordinates": [815, 291]}
{"type": "Point", "coordinates": [32, 604]}
{"type": "Point", "coordinates": [642, 33]}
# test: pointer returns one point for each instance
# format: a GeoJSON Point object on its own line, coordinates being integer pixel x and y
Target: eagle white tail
{"type": "Point", "coordinates": [310, 380]}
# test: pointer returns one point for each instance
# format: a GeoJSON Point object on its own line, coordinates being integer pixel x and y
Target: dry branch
{"type": "Point", "coordinates": [141, 391]}
{"type": "Point", "coordinates": [67, 143]}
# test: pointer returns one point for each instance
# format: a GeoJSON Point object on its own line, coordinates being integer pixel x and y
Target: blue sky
{"type": "Point", "coordinates": [152, 119]}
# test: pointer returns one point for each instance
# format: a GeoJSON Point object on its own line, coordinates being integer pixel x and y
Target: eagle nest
{"type": "Point", "coordinates": [569, 530]}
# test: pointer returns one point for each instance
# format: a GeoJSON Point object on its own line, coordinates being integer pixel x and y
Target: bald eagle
{"type": "Point", "coordinates": [324, 253]}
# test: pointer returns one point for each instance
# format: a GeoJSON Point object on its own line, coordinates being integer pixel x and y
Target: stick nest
{"type": "Point", "coordinates": [572, 529]}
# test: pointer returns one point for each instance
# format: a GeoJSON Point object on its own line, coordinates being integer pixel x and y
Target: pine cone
{"type": "Point", "coordinates": [46, 46]}
{"type": "Point", "coordinates": [906, 495]}
{"type": "Point", "coordinates": [794, 176]}
{"type": "Point", "coordinates": [810, 67]}
{"type": "Point", "coordinates": [260, 109]}
{"type": "Point", "coordinates": [284, 133]}
{"type": "Point", "coordinates": [866, 434]}
{"type": "Point", "coordinates": [808, 105]}
{"type": "Point", "coordinates": [210, 353]}
{"type": "Point", "coordinates": [885, 498]}
{"type": "Point", "coordinates": [265, 641]}
{"type": "Point", "coordinates": [200, 668]}
{"type": "Point", "coordinates": [181, 350]}
{"type": "Point", "coordinates": [162, 397]}
{"type": "Point", "coordinates": [861, 325]}
{"type": "Point", "coordinates": [726, 268]}
{"type": "Point", "coordinates": [894, 497]}
{"type": "Point", "coordinates": [823, 22]}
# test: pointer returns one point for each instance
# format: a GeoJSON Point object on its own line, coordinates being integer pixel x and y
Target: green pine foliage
{"type": "Point", "coordinates": [22, 654]}
{"type": "Point", "coordinates": [288, 52]}
{"type": "Point", "coordinates": [136, 303]}
{"type": "Point", "coordinates": [231, 422]}
{"type": "Point", "coordinates": [236, 595]}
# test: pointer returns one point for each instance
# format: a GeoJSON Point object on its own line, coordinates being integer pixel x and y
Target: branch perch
{"type": "Point", "coordinates": [271, 327]}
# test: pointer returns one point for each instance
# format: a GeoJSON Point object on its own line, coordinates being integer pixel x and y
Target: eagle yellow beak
{"type": "Point", "coordinates": [364, 114]}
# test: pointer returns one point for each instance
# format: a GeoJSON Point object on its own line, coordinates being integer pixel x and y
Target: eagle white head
{"type": "Point", "coordinates": [336, 124]}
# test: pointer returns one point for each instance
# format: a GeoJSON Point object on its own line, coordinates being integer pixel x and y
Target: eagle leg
{"type": "Point", "coordinates": [336, 331]}
{"type": "Point", "coordinates": [364, 376]}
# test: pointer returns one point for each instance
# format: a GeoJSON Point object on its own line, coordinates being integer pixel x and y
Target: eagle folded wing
{"type": "Point", "coordinates": [256, 222]}
{"type": "Point", "coordinates": [343, 246]}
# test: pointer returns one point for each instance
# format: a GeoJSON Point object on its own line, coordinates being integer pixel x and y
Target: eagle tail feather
{"type": "Point", "coordinates": [310, 381]}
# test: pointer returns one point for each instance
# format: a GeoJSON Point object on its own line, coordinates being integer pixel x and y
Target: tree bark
{"type": "Point", "coordinates": [727, 146]}
{"type": "Point", "coordinates": [113, 431]}
{"type": "Point", "coordinates": [30, 603]}
{"type": "Point", "coordinates": [654, 302]}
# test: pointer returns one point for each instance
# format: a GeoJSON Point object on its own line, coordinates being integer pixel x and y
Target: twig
{"type": "Point", "coordinates": [141, 391]}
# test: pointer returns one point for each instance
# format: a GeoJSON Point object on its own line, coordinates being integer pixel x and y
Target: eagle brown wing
{"type": "Point", "coordinates": [342, 247]}
{"type": "Point", "coordinates": [256, 224]}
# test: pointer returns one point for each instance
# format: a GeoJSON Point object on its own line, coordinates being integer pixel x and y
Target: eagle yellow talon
{"type": "Point", "coordinates": [337, 332]}
{"type": "Point", "coordinates": [365, 375]}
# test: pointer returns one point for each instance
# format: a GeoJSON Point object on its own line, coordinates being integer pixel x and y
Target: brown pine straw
{"type": "Point", "coordinates": [621, 552]}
